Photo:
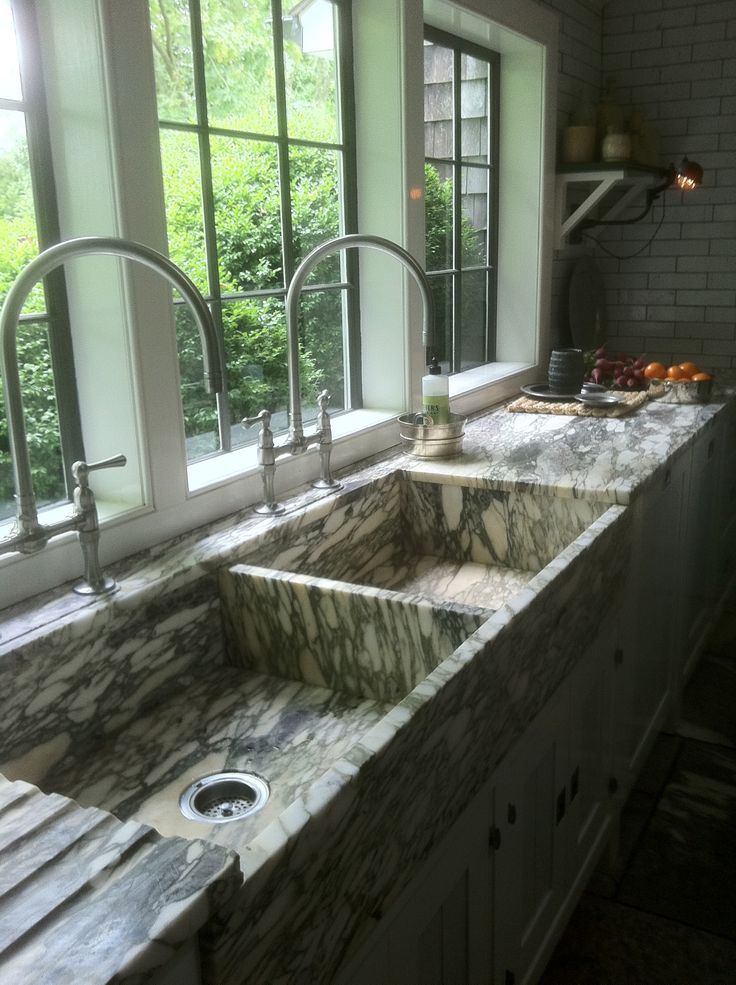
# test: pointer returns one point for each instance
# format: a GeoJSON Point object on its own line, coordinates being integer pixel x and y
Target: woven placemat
{"type": "Point", "coordinates": [628, 403]}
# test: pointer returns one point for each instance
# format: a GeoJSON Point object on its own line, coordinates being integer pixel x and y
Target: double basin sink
{"type": "Point", "coordinates": [328, 620]}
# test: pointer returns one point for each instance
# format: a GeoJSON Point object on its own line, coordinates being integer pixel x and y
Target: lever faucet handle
{"type": "Point", "coordinates": [115, 462]}
{"type": "Point", "coordinates": [80, 470]}
{"type": "Point", "coordinates": [262, 417]}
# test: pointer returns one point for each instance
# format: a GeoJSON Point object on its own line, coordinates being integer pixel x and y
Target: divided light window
{"type": "Point", "coordinates": [461, 100]}
{"type": "Point", "coordinates": [254, 101]}
{"type": "Point", "coordinates": [28, 224]}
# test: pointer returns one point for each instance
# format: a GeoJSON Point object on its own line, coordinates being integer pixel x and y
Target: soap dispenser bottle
{"type": "Point", "coordinates": [436, 394]}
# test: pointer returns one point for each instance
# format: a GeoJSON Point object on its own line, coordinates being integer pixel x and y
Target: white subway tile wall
{"type": "Point", "coordinates": [675, 62]}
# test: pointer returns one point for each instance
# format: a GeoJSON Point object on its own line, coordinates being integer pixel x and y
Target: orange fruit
{"type": "Point", "coordinates": [675, 373]}
{"type": "Point", "coordinates": [655, 371]}
{"type": "Point", "coordinates": [689, 369]}
{"type": "Point", "coordinates": [701, 376]}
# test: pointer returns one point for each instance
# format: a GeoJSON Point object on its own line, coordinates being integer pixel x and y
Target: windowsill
{"type": "Point", "coordinates": [482, 376]}
{"type": "Point", "coordinates": [214, 471]}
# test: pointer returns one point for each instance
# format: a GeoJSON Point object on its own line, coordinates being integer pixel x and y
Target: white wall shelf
{"type": "Point", "coordinates": [617, 184]}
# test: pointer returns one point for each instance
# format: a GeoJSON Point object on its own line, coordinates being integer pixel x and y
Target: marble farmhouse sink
{"type": "Point", "coordinates": [370, 597]}
{"type": "Point", "coordinates": [285, 655]}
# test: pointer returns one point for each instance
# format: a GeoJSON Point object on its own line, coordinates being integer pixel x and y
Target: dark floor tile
{"type": "Point", "coordinates": [709, 704]}
{"type": "Point", "coordinates": [722, 641]}
{"type": "Point", "coordinates": [685, 866]}
{"type": "Point", "coordinates": [635, 817]}
{"type": "Point", "coordinates": [656, 771]}
{"type": "Point", "coordinates": [610, 944]}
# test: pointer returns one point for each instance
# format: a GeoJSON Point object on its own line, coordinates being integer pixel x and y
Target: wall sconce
{"type": "Point", "coordinates": [689, 175]}
{"type": "Point", "coordinates": [686, 176]}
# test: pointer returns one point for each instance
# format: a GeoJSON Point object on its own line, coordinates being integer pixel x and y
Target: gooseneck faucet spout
{"type": "Point", "coordinates": [305, 268]}
{"type": "Point", "coordinates": [297, 442]}
{"type": "Point", "coordinates": [29, 535]}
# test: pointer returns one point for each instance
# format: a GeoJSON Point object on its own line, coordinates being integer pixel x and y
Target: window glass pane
{"type": "Point", "coordinates": [233, 205]}
{"type": "Point", "coordinates": [42, 423]}
{"type": "Point", "coordinates": [10, 87]}
{"type": "Point", "coordinates": [245, 181]}
{"type": "Point", "coordinates": [474, 199]}
{"type": "Point", "coordinates": [442, 336]}
{"type": "Point", "coordinates": [315, 204]}
{"type": "Point", "coordinates": [200, 407]}
{"type": "Point", "coordinates": [172, 53]}
{"type": "Point", "coordinates": [311, 73]}
{"type": "Point", "coordinates": [460, 183]}
{"type": "Point", "coordinates": [473, 319]}
{"type": "Point", "coordinates": [438, 74]}
{"type": "Point", "coordinates": [474, 109]}
{"type": "Point", "coordinates": [18, 236]}
{"type": "Point", "coordinates": [255, 350]}
{"type": "Point", "coordinates": [239, 65]}
{"type": "Point", "coordinates": [183, 195]}
{"type": "Point", "coordinates": [323, 353]}
{"type": "Point", "coordinates": [438, 204]}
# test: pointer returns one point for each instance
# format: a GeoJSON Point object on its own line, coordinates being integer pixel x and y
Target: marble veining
{"type": "Point", "coordinates": [128, 698]}
{"type": "Point", "coordinates": [228, 719]}
{"type": "Point", "coordinates": [363, 641]}
{"type": "Point", "coordinates": [66, 872]}
{"type": "Point", "coordinates": [95, 674]}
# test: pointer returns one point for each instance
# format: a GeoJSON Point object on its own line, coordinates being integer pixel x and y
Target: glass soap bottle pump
{"type": "Point", "coordinates": [436, 394]}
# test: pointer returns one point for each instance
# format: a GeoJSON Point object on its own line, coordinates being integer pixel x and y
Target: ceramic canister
{"type": "Point", "coordinates": [566, 371]}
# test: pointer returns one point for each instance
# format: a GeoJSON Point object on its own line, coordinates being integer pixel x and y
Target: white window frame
{"type": "Point", "coordinates": [103, 118]}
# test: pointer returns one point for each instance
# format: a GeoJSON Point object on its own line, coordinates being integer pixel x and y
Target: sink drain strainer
{"type": "Point", "coordinates": [223, 797]}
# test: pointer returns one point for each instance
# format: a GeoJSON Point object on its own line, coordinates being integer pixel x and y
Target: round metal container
{"type": "Point", "coordinates": [681, 391]}
{"type": "Point", "coordinates": [432, 440]}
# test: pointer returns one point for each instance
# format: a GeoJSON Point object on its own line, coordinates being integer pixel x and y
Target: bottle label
{"type": "Point", "coordinates": [438, 408]}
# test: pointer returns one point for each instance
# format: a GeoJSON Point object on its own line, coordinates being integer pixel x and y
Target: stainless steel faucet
{"type": "Point", "coordinates": [296, 442]}
{"type": "Point", "coordinates": [28, 535]}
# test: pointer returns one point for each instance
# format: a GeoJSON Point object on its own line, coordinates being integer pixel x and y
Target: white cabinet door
{"type": "Point", "coordinates": [650, 632]}
{"type": "Point", "coordinates": [588, 812]}
{"type": "Point", "coordinates": [701, 529]}
{"type": "Point", "coordinates": [438, 930]}
{"type": "Point", "coordinates": [552, 806]}
{"type": "Point", "coordinates": [726, 528]}
{"type": "Point", "coordinates": [529, 801]}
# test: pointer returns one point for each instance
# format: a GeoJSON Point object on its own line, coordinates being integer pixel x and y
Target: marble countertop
{"type": "Point", "coordinates": [148, 664]}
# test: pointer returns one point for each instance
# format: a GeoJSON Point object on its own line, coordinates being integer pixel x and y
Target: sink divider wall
{"type": "Point", "coordinates": [364, 641]}
{"type": "Point", "coordinates": [371, 596]}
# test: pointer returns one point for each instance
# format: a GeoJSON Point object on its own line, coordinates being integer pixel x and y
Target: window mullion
{"type": "Point", "coordinates": [208, 207]}
{"type": "Point", "coordinates": [287, 230]}
{"type": "Point", "coordinates": [346, 95]}
{"type": "Point", "coordinates": [494, 115]}
{"type": "Point", "coordinates": [457, 213]}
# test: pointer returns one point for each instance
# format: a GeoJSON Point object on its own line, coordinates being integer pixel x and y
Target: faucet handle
{"type": "Point", "coordinates": [84, 468]}
{"type": "Point", "coordinates": [262, 417]}
{"type": "Point", "coordinates": [115, 462]}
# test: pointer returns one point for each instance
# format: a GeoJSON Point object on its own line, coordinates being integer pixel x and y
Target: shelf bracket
{"type": "Point", "coordinates": [627, 180]}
